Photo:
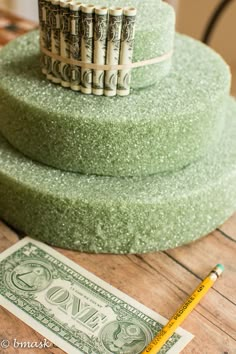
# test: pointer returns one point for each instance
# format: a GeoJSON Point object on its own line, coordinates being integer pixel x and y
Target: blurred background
{"type": "Point", "coordinates": [26, 8]}
{"type": "Point", "coordinates": [193, 18]}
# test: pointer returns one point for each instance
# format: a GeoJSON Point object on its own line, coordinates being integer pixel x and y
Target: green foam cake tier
{"type": "Point", "coordinates": [161, 128]}
{"type": "Point", "coordinates": [120, 215]}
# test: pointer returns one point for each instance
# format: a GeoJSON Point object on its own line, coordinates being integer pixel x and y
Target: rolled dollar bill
{"type": "Point", "coordinates": [126, 50]}
{"type": "Point", "coordinates": [48, 8]}
{"type": "Point", "coordinates": [75, 43]}
{"type": "Point", "coordinates": [113, 49]}
{"type": "Point", "coordinates": [43, 33]}
{"type": "Point", "coordinates": [41, 4]}
{"type": "Point", "coordinates": [87, 19]}
{"type": "Point", "coordinates": [65, 41]}
{"type": "Point", "coordinates": [100, 47]}
{"type": "Point", "coordinates": [55, 75]}
{"type": "Point", "coordinates": [42, 19]}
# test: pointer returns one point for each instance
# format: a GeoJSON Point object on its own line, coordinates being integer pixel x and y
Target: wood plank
{"type": "Point", "coordinates": [161, 284]}
{"type": "Point", "coordinates": [216, 308]}
{"type": "Point", "coordinates": [7, 237]}
{"type": "Point", "coordinates": [147, 279]}
{"type": "Point", "coordinates": [13, 329]}
{"type": "Point", "coordinates": [200, 256]}
{"type": "Point", "coordinates": [229, 228]}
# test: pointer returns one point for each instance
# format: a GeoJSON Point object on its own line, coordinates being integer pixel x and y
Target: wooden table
{"type": "Point", "coordinates": [160, 280]}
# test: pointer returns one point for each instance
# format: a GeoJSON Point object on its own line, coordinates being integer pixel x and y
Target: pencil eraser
{"type": "Point", "coordinates": [220, 268]}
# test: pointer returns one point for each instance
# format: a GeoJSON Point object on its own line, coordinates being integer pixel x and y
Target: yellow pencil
{"type": "Point", "coordinates": [180, 315]}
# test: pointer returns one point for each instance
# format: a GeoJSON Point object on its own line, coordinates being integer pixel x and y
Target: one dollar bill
{"type": "Point", "coordinates": [73, 308]}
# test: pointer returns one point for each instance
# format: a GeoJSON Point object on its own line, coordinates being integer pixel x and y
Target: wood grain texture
{"type": "Point", "coordinates": [161, 281]}
{"type": "Point", "coordinates": [14, 329]}
{"type": "Point", "coordinates": [208, 251]}
{"type": "Point", "coordinates": [229, 228]}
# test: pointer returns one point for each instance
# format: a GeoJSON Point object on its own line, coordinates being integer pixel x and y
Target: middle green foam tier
{"type": "Point", "coordinates": [162, 128]}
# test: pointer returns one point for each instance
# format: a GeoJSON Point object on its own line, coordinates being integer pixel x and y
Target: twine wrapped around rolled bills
{"type": "Point", "coordinates": [113, 49]}
{"type": "Point", "coordinates": [55, 75]}
{"type": "Point", "coordinates": [65, 41]}
{"type": "Point", "coordinates": [87, 12]}
{"type": "Point", "coordinates": [100, 47]}
{"type": "Point", "coordinates": [75, 43]}
{"type": "Point", "coordinates": [95, 42]}
{"type": "Point", "coordinates": [126, 50]}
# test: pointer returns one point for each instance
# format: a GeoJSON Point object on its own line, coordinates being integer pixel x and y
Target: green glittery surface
{"type": "Point", "coordinates": [154, 41]}
{"type": "Point", "coordinates": [109, 214]}
{"type": "Point", "coordinates": [162, 128]}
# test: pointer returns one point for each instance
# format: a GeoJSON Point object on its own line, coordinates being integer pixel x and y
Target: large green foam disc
{"type": "Point", "coordinates": [162, 128]}
{"type": "Point", "coordinates": [120, 215]}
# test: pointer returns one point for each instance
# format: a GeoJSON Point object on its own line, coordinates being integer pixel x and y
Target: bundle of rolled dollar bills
{"type": "Point", "coordinates": [74, 35]}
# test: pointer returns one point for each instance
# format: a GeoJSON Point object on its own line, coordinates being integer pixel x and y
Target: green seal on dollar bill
{"type": "Point", "coordinates": [31, 275]}
{"type": "Point", "coordinates": [125, 337]}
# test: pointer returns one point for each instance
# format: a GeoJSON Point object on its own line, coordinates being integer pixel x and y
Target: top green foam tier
{"type": "Point", "coordinates": [154, 37]}
{"type": "Point", "coordinates": [147, 9]}
{"type": "Point", "coordinates": [155, 30]}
